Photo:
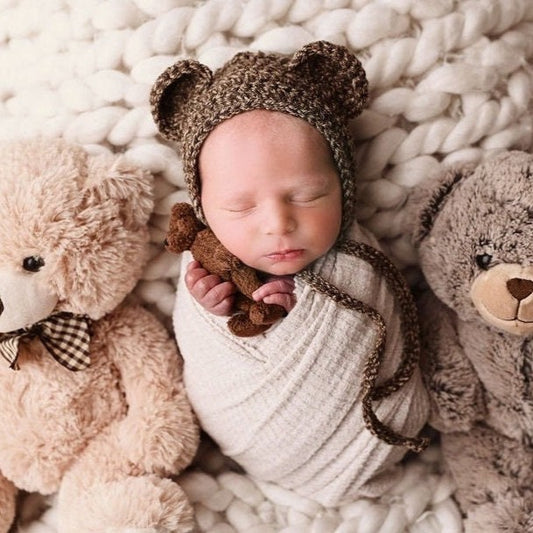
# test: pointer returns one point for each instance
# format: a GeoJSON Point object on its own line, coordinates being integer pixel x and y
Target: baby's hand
{"type": "Point", "coordinates": [209, 290]}
{"type": "Point", "coordinates": [277, 290]}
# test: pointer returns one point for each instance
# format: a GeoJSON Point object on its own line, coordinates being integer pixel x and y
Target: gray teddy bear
{"type": "Point", "coordinates": [474, 233]}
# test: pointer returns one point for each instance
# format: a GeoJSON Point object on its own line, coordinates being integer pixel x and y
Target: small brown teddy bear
{"type": "Point", "coordinates": [93, 403]}
{"type": "Point", "coordinates": [474, 234]}
{"type": "Point", "coordinates": [187, 232]}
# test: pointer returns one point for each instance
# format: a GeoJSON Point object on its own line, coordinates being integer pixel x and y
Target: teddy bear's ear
{"type": "Point", "coordinates": [172, 92]}
{"type": "Point", "coordinates": [119, 186]}
{"type": "Point", "coordinates": [183, 228]}
{"type": "Point", "coordinates": [337, 71]}
{"type": "Point", "coordinates": [430, 197]}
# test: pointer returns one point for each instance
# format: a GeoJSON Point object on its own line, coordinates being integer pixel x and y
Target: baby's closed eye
{"type": "Point", "coordinates": [307, 198]}
{"type": "Point", "coordinates": [241, 208]}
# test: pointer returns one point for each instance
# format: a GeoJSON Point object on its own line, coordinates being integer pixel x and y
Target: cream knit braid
{"type": "Point", "coordinates": [325, 85]}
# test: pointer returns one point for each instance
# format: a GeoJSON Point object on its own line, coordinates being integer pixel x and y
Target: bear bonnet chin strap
{"type": "Point", "coordinates": [409, 326]}
{"type": "Point", "coordinates": [66, 337]}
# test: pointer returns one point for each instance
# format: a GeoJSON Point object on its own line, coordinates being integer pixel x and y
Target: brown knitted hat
{"type": "Point", "coordinates": [323, 84]}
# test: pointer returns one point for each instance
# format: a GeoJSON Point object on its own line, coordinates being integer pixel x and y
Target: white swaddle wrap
{"type": "Point", "coordinates": [287, 405]}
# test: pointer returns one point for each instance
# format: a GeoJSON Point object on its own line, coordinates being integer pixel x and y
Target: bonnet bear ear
{"type": "Point", "coordinates": [337, 71]}
{"type": "Point", "coordinates": [172, 92]}
{"type": "Point", "coordinates": [428, 200]}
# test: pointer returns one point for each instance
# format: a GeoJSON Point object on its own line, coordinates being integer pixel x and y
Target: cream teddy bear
{"type": "Point", "coordinates": [93, 404]}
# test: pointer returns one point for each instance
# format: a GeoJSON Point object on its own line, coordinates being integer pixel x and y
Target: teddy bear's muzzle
{"type": "Point", "coordinates": [24, 300]}
{"type": "Point", "coordinates": [503, 296]}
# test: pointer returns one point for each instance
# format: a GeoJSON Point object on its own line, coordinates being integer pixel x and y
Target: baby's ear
{"type": "Point", "coordinates": [427, 201]}
{"type": "Point", "coordinates": [173, 91]}
{"type": "Point", "coordinates": [338, 72]}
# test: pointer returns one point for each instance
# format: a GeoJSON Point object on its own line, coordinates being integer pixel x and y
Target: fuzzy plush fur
{"type": "Point", "coordinates": [105, 438]}
{"type": "Point", "coordinates": [449, 81]}
{"type": "Point", "coordinates": [474, 243]}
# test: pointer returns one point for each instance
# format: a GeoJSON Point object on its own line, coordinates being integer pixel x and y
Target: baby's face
{"type": "Point", "coordinates": [270, 191]}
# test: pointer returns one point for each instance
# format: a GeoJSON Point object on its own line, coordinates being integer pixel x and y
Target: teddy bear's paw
{"type": "Point", "coordinates": [159, 444]}
{"type": "Point", "coordinates": [134, 504]}
{"type": "Point", "coordinates": [261, 313]}
{"type": "Point", "coordinates": [241, 326]}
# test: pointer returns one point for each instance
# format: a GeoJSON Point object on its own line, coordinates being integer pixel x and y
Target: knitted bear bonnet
{"type": "Point", "coordinates": [323, 84]}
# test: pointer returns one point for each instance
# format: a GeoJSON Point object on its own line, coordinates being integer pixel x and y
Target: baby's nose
{"type": "Point", "coordinates": [280, 220]}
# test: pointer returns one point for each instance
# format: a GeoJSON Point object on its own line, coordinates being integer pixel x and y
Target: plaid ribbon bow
{"type": "Point", "coordinates": [64, 335]}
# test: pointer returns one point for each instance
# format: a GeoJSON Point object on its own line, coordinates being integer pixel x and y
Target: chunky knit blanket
{"type": "Point", "coordinates": [450, 80]}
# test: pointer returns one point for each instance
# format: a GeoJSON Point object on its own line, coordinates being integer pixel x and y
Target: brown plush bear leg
{"type": "Point", "coordinates": [261, 313]}
{"type": "Point", "coordinates": [254, 317]}
{"type": "Point", "coordinates": [494, 477]}
{"type": "Point", "coordinates": [241, 326]}
{"type": "Point", "coordinates": [8, 494]}
{"type": "Point", "coordinates": [240, 323]}
{"type": "Point", "coordinates": [104, 491]}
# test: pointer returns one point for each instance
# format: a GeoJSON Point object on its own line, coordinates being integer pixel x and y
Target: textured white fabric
{"type": "Point", "coordinates": [287, 405]}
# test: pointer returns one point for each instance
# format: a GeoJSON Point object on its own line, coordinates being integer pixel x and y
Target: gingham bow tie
{"type": "Point", "coordinates": [64, 335]}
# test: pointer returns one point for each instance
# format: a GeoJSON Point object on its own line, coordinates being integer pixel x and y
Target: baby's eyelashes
{"type": "Point", "coordinates": [238, 209]}
{"type": "Point", "coordinates": [306, 199]}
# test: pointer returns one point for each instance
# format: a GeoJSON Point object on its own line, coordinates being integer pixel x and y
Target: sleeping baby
{"type": "Point", "coordinates": [329, 399]}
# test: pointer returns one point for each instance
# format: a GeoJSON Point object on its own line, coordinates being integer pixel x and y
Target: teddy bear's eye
{"type": "Point", "coordinates": [483, 261]}
{"type": "Point", "coordinates": [33, 263]}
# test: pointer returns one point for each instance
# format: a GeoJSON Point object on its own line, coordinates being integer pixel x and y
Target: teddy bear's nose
{"type": "Point", "coordinates": [520, 288]}
{"type": "Point", "coordinates": [1, 307]}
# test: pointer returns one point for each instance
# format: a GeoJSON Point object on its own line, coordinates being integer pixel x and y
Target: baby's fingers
{"type": "Point", "coordinates": [219, 300]}
{"type": "Point", "coordinates": [274, 285]}
{"type": "Point", "coordinates": [194, 272]}
{"type": "Point", "coordinates": [287, 301]}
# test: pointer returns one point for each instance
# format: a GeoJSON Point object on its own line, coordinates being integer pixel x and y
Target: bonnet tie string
{"type": "Point", "coordinates": [66, 337]}
{"type": "Point", "coordinates": [372, 391]}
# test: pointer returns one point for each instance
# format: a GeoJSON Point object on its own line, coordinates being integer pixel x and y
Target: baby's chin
{"type": "Point", "coordinates": [282, 271]}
